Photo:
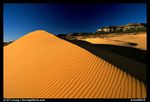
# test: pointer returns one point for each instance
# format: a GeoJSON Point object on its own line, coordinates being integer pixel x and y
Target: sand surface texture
{"type": "Point", "coordinates": [40, 65]}
{"type": "Point", "coordinates": [136, 41]}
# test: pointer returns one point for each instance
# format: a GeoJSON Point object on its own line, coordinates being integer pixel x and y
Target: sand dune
{"type": "Point", "coordinates": [135, 41]}
{"type": "Point", "coordinates": [108, 41]}
{"type": "Point", "coordinates": [40, 65]}
{"type": "Point", "coordinates": [140, 39]}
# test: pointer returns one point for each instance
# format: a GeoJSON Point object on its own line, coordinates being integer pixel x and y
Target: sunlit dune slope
{"type": "Point", "coordinates": [40, 65]}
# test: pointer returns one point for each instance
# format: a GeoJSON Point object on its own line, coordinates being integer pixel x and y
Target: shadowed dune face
{"type": "Point", "coordinates": [129, 59]}
{"type": "Point", "coordinates": [40, 65]}
{"type": "Point", "coordinates": [132, 53]}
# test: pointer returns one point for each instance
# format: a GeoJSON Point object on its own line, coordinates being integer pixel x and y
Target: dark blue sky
{"type": "Point", "coordinates": [20, 19]}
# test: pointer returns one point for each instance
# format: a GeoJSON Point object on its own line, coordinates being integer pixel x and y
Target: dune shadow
{"type": "Point", "coordinates": [132, 44]}
{"type": "Point", "coordinates": [131, 60]}
{"type": "Point", "coordinates": [132, 53]}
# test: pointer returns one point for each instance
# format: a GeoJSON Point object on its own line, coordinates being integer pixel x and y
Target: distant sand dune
{"type": "Point", "coordinates": [140, 39]}
{"type": "Point", "coordinates": [40, 65]}
{"type": "Point", "coordinates": [136, 41]}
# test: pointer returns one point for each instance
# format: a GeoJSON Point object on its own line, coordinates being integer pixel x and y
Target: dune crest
{"type": "Point", "coordinates": [38, 36]}
{"type": "Point", "coordinates": [40, 65]}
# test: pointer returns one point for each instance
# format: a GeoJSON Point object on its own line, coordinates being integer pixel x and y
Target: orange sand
{"type": "Point", "coordinates": [125, 40]}
{"type": "Point", "coordinates": [40, 65]}
{"type": "Point", "coordinates": [140, 39]}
